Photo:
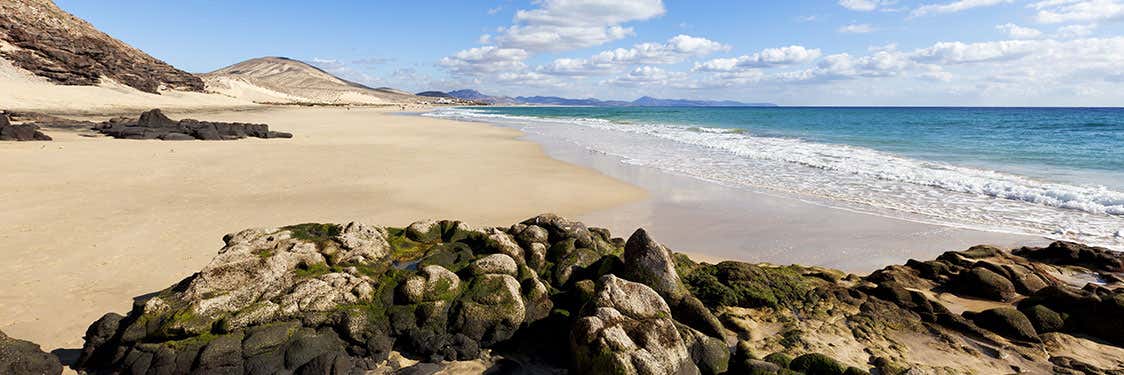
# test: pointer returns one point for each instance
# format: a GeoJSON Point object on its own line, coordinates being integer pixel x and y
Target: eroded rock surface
{"type": "Point", "coordinates": [19, 357]}
{"type": "Point", "coordinates": [19, 132]}
{"type": "Point", "coordinates": [54, 44]}
{"type": "Point", "coordinates": [155, 125]}
{"type": "Point", "coordinates": [550, 295]}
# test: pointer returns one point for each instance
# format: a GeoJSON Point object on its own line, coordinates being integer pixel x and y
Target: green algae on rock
{"type": "Point", "coordinates": [552, 295]}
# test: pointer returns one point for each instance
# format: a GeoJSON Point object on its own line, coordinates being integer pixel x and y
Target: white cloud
{"type": "Point", "coordinates": [954, 7]}
{"type": "Point", "coordinates": [675, 50]}
{"type": "Point", "coordinates": [845, 66]}
{"type": "Point", "coordinates": [1019, 32]}
{"type": "Point", "coordinates": [860, 28]}
{"type": "Point", "coordinates": [863, 5]}
{"type": "Point", "coordinates": [1006, 65]}
{"type": "Point", "coordinates": [1062, 11]}
{"type": "Point", "coordinates": [577, 67]}
{"type": "Point", "coordinates": [766, 58]}
{"type": "Point", "coordinates": [1075, 31]}
{"type": "Point", "coordinates": [967, 53]}
{"type": "Point", "coordinates": [648, 76]}
{"type": "Point", "coordinates": [527, 78]}
{"type": "Point", "coordinates": [487, 59]}
{"type": "Point", "coordinates": [560, 25]}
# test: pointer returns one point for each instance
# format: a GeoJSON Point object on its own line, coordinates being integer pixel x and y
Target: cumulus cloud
{"type": "Point", "coordinates": [766, 58]}
{"type": "Point", "coordinates": [968, 53]}
{"type": "Point", "coordinates": [648, 76]}
{"type": "Point", "coordinates": [1019, 32]}
{"type": "Point", "coordinates": [954, 7]}
{"type": "Point", "coordinates": [1075, 31]}
{"type": "Point", "coordinates": [529, 78]}
{"type": "Point", "coordinates": [1012, 62]}
{"type": "Point", "coordinates": [487, 59]}
{"type": "Point", "coordinates": [675, 50]}
{"type": "Point", "coordinates": [1062, 11]}
{"type": "Point", "coordinates": [860, 28]}
{"type": "Point", "coordinates": [560, 25]}
{"type": "Point", "coordinates": [864, 5]}
{"type": "Point", "coordinates": [844, 66]}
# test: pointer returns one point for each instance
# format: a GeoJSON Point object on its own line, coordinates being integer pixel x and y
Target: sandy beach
{"type": "Point", "coordinates": [93, 222]}
{"type": "Point", "coordinates": [115, 219]}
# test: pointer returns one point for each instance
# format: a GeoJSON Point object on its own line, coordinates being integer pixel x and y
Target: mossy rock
{"type": "Point", "coordinates": [452, 256]}
{"type": "Point", "coordinates": [322, 235]}
{"type": "Point", "coordinates": [560, 250]}
{"type": "Point", "coordinates": [404, 249]}
{"type": "Point", "coordinates": [778, 358]}
{"type": "Point", "coordinates": [747, 285]}
{"type": "Point", "coordinates": [305, 270]}
{"type": "Point", "coordinates": [1007, 322]}
{"type": "Point", "coordinates": [1044, 319]}
{"type": "Point", "coordinates": [817, 364]}
{"type": "Point", "coordinates": [984, 283]}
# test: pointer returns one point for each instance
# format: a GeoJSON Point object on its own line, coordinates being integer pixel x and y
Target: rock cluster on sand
{"type": "Point", "coordinates": [155, 125]}
{"type": "Point", "coordinates": [22, 357]}
{"type": "Point", "coordinates": [23, 132]}
{"type": "Point", "coordinates": [51, 43]}
{"type": "Point", "coordinates": [549, 295]}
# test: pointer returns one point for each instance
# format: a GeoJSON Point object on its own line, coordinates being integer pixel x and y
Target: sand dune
{"type": "Point", "coordinates": [283, 80]}
{"type": "Point", "coordinates": [21, 90]}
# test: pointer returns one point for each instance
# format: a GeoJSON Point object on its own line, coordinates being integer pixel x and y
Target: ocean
{"type": "Point", "coordinates": [1053, 172]}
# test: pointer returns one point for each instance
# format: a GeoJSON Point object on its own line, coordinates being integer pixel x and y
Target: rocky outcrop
{"type": "Point", "coordinates": [1069, 253]}
{"type": "Point", "coordinates": [984, 283]}
{"type": "Point", "coordinates": [1005, 321]}
{"type": "Point", "coordinates": [18, 357]}
{"type": "Point", "coordinates": [629, 330]}
{"type": "Point", "coordinates": [21, 132]}
{"type": "Point", "coordinates": [336, 299]}
{"type": "Point", "coordinates": [155, 125]}
{"type": "Point", "coordinates": [54, 44]}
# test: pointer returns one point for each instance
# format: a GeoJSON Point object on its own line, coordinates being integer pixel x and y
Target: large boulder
{"type": "Point", "coordinates": [24, 132]}
{"type": "Point", "coordinates": [710, 354]}
{"type": "Point", "coordinates": [816, 364]}
{"type": "Point", "coordinates": [491, 310]}
{"type": "Point", "coordinates": [1007, 322]}
{"type": "Point", "coordinates": [628, 330]}
{"type": "Point", "coordinates": [1070, 253]}
{"type": "Point", "coordinates": [983, 283]}
{"type": "Point", "coordinates": [1044, 319]}
{"type": "Point", "coordinates": [650, 263]}
{"type": "Point", "coordinates": [19, 357]}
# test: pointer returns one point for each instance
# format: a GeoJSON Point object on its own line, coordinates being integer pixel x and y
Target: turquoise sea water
{"type": "Point", "coordinates": [1057, 172]}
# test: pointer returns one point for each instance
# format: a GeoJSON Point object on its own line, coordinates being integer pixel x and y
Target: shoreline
{"type": "Point", "coordinates": [97, 221]}
{"type": "Point", "coordinates": [714, 222]}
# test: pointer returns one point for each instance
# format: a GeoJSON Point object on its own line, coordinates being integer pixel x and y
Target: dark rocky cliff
{"type": "Point", "coordinates": [49, 42]}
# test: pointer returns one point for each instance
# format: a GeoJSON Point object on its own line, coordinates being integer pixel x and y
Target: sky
{"type": "Point", "coordinates": [845, 52]}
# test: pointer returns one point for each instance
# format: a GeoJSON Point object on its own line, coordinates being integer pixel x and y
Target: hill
{"type": "Point", "coordinates": [646, 101]}
{"type": "Point", "coordinates": [39, 37]}
{"type": "Point", "coordinates": [284, 80]}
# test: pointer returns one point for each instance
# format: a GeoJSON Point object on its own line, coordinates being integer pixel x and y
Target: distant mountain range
{"type": "Point", "coordinates": [646, 101]}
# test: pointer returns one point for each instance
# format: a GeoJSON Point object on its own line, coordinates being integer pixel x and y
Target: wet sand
{"type": "Point", "coordinates": [713, 222]}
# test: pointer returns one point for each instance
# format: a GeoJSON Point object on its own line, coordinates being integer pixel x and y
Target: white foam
{"type": "Point", "coordinates": [857, 177]}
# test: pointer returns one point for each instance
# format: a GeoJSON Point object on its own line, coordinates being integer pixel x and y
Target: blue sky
{"type": "Point", "coordinates": [848, 52]}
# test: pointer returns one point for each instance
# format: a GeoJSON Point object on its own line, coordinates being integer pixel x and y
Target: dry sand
{"type": "Point", "coordinates": [20, 90]}
{"type": "Point", "coordinates": [90, 223]}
